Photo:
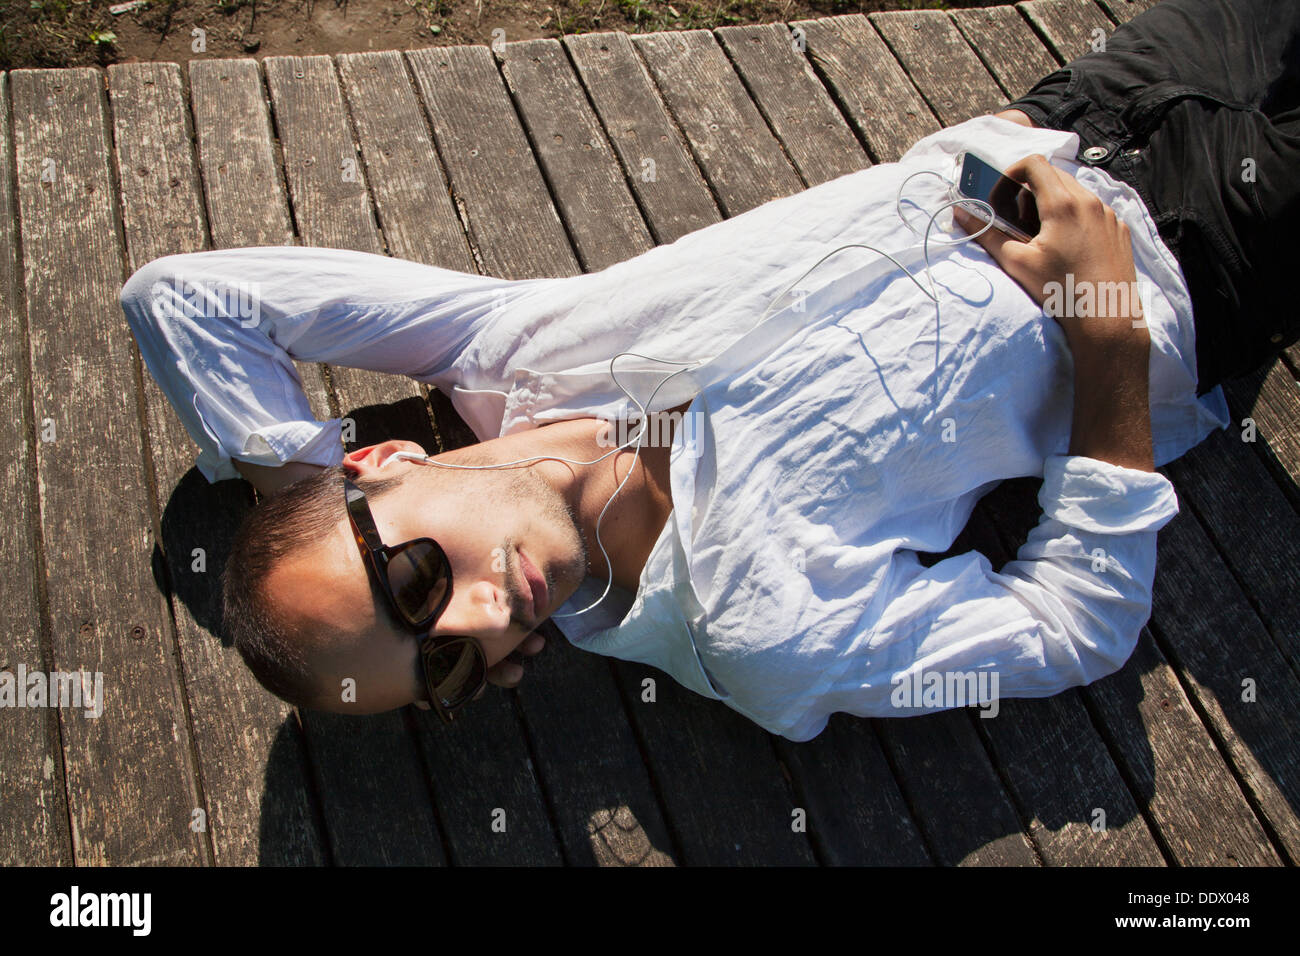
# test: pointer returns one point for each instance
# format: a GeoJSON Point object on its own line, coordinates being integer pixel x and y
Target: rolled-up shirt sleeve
{"type": "Point", "coordinates": [1066, 611]}
{"type": "Point", "coordinates": [219, 330]}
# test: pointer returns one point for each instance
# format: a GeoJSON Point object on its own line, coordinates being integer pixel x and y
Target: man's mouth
{"type": "Point", "coordinates": [537, 588]}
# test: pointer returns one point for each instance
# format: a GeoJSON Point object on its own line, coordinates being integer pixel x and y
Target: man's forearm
{"type": "Point", "coordinates": [1112, 415]}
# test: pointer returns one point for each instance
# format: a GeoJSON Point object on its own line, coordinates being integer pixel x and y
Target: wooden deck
{"type": "Point", "coordinates": [523, 164]}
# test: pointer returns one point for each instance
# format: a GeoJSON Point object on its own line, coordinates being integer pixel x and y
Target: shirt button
{"type": "Point", "coordinates": [1094, 153]}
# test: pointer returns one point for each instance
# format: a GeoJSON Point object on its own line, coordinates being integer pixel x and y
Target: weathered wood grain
{"type": "Point", "coordinates": [728, 136]}
{"type": "Point", "coordinates": [1121, 11]}
{"type": "Point", "coordinates": [1179, 777]}
{"type": "Point", "coordinates": [667, 183]}
{"type": "Point", "coordinates": [1070, 27]}
{"type": "Point", "coordinates": [1234, 672]}
{"type": "Point", "coordinates": [941, 63]}
{"type": "Point", "coordinates": [239, 728]}
{"type": "Point", "coordinates": [771, 62]}
{"type": "Point", "coordinates": [105, 613]}
{"type": "Point", "coordinates": [585, 179]}
{"type": "Point", "coordinates": [873, 89]}
{"type": "Point", "coordinates": [1007, 45]}
{"type": "Point", "coordinates": [33, 814]}
{"type": "Point", "coordinates": [1252, 525]}
{"type": "Point", "coordinates": [490, 166]}
{"type": "Point", "coordinates": [239, 166]}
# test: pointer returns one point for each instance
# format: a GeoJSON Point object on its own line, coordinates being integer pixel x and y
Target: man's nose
{"type": "Point", "coordinates": [483, 609]}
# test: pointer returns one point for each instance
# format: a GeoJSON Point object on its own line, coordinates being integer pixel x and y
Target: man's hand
{"type": "Point", "coordinates": [1080, 235]}
{"type": "Point", "coordinates": [1111, 347]}
{"type": "Point", "coordinates": [508, 672]}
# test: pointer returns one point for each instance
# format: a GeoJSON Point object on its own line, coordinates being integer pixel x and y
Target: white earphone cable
{"type": "Point", "coordinates": [687, 366]}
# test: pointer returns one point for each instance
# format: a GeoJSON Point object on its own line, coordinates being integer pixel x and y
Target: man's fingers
{"type": "Point", "coordinates": [507, 672]}
{"type": "Point", "coordinates": [1052, 188]}
{"type": "Point", "coordinates": [993, 240]}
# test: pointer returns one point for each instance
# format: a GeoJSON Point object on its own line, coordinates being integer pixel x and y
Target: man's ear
{"type": "Point", "coordinates": [367, 461]}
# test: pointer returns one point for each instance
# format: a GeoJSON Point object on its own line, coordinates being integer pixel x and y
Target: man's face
{"type": "Point", "coordinates": [494, 525]}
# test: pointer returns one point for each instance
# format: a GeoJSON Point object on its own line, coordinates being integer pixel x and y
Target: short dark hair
{"type": "Point", "coordinates": [297, 516]}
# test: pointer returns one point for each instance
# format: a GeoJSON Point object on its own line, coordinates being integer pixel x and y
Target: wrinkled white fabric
{"type": "Point", "coordinates": [832, 442]}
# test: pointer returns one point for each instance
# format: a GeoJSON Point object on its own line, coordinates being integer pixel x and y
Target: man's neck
{"type": "Point", "coordinates": [638, 512]}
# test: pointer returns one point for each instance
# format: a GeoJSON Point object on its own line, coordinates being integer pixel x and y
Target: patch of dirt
{"type": "Point", "coordinates": [43, 33]}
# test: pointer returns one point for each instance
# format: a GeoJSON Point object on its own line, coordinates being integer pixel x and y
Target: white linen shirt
{"type": "Point", "coordinates": [825, 446]}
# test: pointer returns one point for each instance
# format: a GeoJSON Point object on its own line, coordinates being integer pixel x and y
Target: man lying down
{"type": "Point", "coordinates": [756, 535]}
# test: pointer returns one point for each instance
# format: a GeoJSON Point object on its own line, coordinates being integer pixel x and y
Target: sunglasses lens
{"type": "Point", "coordinates": [455, 671]}
{"type": "Point", "coordinates": [418, 576]}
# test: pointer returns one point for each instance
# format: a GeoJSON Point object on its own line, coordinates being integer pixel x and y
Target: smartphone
{"type": "Point", "coordinates": [1014, 209]}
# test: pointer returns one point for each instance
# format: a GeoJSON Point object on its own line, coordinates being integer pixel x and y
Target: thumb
{"type": "Point", "coordinates": [993, 239]}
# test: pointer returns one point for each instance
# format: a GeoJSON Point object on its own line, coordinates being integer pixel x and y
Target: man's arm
{"type": "Point", "coordinates": [219, 331]}
{"type": "Point", "coordinates": [1070, 607]}
{"type": "Point", "coordinates": [1081, 237]}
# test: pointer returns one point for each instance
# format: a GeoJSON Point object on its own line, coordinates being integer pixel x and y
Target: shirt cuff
{"type": "Point", "coordinates": [1105, 498]}
{"type": "Point", "coordinates": [314, 443]}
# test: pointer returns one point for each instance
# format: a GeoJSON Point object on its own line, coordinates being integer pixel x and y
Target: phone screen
{"type": "Point", "coordinates": [1011, 202]}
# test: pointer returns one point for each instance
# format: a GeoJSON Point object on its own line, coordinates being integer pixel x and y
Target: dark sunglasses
{"type": "Point", "coordinates": [416, 578]}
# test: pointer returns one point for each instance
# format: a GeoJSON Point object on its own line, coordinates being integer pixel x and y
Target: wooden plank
{"type": "Point", "coordinates": [411, 197]}
{"type": "Point", "coordinates": [136, 754]}
{"type": "Point", "coordinates": [667, 183]}
{"type": "Point", "coordinates": [957, 799]}
{"type": "Point", "coordinates": [856, 814]}
{"type": "Point", "coordinates": [1193, 801]}
{"type": "Point", "coordinates": [458, 90]}
{"type": "Point", "coordinates": [359, 828]}
{"type": "Point", "coordinates": [34, 813]}
{"type": "Point", "coordinates": [796, 105]}
{"type": "Point", "coordinates": [1007, 45]}
{"type": "Point", "coordinates": [941, 63]}
{"type": "Point", "coordinates": [872, 88]}
{"type": "Point", "coordinates": [327, 186]}
{"type": "Point", "coordinates": [593, 199]}
{"type": "Point", "coordinates": [728, 137]}
{"type": "Point", "coordinates": [1220, 650]}
{"type": "Point", "coordinates": [1270, 399]}
{"type": "Point", "coordinates": [239, 165]}
{"type": "Point", "coordinates": [1155, 736]}
{"type": "Point", "coordinates": [1055, 764]}
{"type": "Point", "coordinates": [239, 728]}
{"type": "Point", "coordinates": [1070, 27]}
{"type": "Point", "coordinates": [1252, 525]}
{"type": "Point", "coordinates": [1121, 11]}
